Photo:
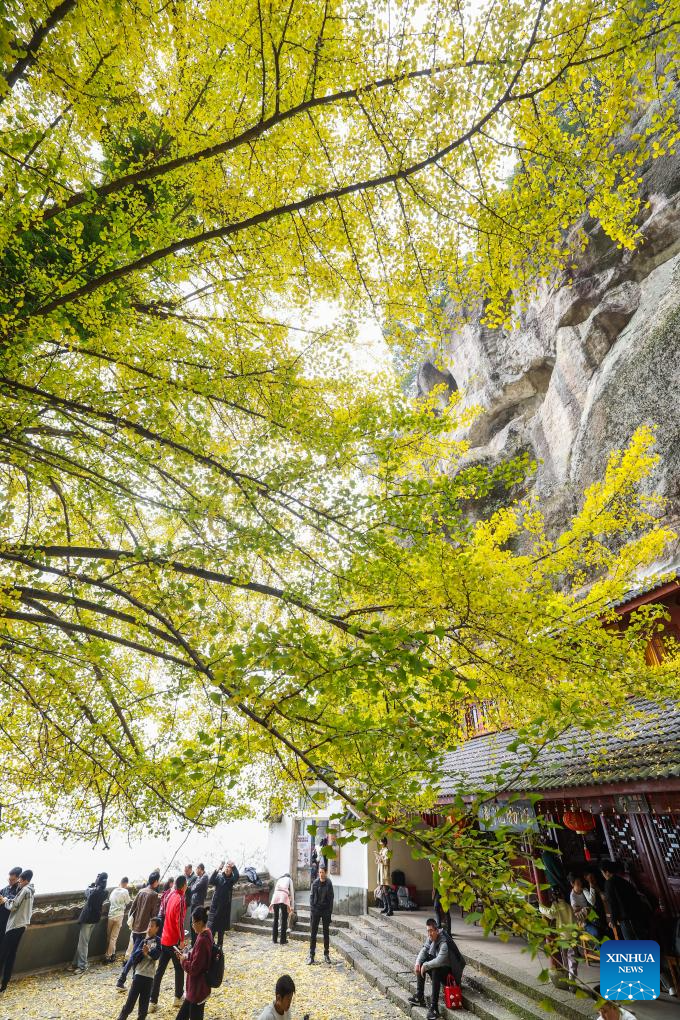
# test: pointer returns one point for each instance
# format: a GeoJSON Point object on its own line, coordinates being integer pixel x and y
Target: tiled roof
{"type": "Point", "coordinates": [647, 746]}
{"type": "Point", "coordinates": [647, 586]}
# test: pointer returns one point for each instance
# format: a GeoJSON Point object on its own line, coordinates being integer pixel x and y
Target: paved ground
{"type": "Point", "coordinates": [511, 952]}
{"type": "Point", "coordinates": [253, 965]}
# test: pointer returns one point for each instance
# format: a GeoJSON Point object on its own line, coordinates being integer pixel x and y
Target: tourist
{"type": "Point", "coordinates": [144, 907]}
{"type": "Point", "coordinates": [314, 866]}
{"type": "Point", "coordinates": [610, 1011]}
{"type": "Point", "coordinates": [321, 910]}
{"type": "Point", "coordinates": [143, 959]}
{"type": "Point", "coordinates": [191, 878]}
{"type": "Point", "coordinates": [583, 908]}
{"type": "Point", "coordinates": [198, 894]}
{"type": "Point", "coordinates": [383, 858]}
{"type": "Point", "coordinates": [118, 902]}
{"type": "Point", "coordinates": [282, 902]}
{"type": "Point", "coordinates": [625, 908]}
{"type": "Point", "coordinates": [90, 915]}
{"type": "Point", "coordinates": [439, 957]}
{"type": "Point", "coordinates": [7, 894]}
{"type": "Point", "coordinates": [283, 998]}
{"type": "Point", "coordinates": [20, 911]}
{"type": "Point", "coordinates": [594, 893]}
{"type": "Point", "coordinates": [196, 963]}
{"type": "Point", "coordinates": [172, 937]}
{"type": "Point", "coordinates": [224, 879]}
{"type": "Point", "coordinates": [168, 889]}
{"type": "Point", "coordinates": [561, 913]}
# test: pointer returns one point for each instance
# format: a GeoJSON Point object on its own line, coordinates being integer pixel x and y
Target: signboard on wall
{"type": "Point", "coordinates": [303, 852]}
{"type": "Point", "coordinates": [517, 816]}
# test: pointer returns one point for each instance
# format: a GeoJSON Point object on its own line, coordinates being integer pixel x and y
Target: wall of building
{"type": "Point", "coordinates": [349, 872]}
{"type": "Point", "coordinates": [417, 872]}
{"type": "Point", "coordinates": [280, 848]}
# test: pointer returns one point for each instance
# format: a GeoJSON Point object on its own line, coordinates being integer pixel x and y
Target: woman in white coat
{"type": "Point", "coordinates": [283, 901]}
{"type": "Point", "coordinates": [383, 859]}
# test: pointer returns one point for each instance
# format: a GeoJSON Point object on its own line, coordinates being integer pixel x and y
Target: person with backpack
{"type": "Point", "coordinates": [224, 879]}
{"type": "Point", "coordinates": [439, 957]}
{"type": "Point", "coordinates": [283, 901]}
{"type": "Point", "coordinates": [172, 938]}
{"type": "Point", "coordinates": [144, 907]}
{"type": "Point", "coordinates": [199, 965]}
{"type": "Point", "coordinates": [144, 959]}
{"type": "Point", "coordinates": [90, 916]}
{"type": "Point", "coordinates": [20, 913]}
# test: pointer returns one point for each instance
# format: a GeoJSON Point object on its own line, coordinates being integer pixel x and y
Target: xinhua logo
{"type": "Point", "coordinates": [630, 970]}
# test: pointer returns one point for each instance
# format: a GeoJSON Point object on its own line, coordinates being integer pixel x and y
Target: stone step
{"type": "Point", "coordinates": [302, 922]}
{"type": "Point", "coordinates": [258, 927]}
{"type": "Point", "coordinates": [383, 950]}
{"type": "Point", "coordinates": [253, 929]}
{"type": "Point", "coordinates": [489, 977]}
{"type": "Point", "coordinates": [385, 982]}
{"type": "Point", "coordinates": [476, 987]}
{"type": "Point", "coordinates": [339, 920]}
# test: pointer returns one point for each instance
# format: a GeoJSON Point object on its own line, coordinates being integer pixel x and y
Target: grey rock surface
{"type": "Point", "coordinates": [593, 357]}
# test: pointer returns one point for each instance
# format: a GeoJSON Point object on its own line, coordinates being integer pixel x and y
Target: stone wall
{"type": "Point", "coordinates": [596, 354]}
{"type": "Point", "coordinates": [50, 940]}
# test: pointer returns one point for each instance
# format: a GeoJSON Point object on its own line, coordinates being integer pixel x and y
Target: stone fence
{"type": "Point", "coordinates": [50, 940]}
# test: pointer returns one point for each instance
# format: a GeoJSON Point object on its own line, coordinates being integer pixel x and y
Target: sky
{"type": "Point", "coordinates": [61, 867]}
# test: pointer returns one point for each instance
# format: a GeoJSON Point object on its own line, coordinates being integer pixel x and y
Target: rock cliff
{"type": "Point", "coordinates": [594, 356]}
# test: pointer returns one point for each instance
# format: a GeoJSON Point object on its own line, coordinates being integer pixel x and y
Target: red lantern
{"type": "Point", "coordinates": [579, 821]}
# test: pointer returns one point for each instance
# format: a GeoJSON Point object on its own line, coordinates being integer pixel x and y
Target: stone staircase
{"type": "Point", "coordinates": [301, 931]}
{"type": "Point", "coordinates": [384, 950]}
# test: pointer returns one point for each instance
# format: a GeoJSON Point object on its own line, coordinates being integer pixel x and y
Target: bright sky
{"type": "Point", "coordinates": [59, 867]}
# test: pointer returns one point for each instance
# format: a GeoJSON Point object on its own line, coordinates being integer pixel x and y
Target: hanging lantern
{"type": "Point", "coordinates": [579, 821]}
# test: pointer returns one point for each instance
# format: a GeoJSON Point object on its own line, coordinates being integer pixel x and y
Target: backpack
{"type": "Point", "coordinates": [405, 901]}
{"type": "Point", "coordinates": [215, 972]}
{"type": "Point", "coordinates": [457, 959]}
{"type": "Point", "coordinates": [251, 875]}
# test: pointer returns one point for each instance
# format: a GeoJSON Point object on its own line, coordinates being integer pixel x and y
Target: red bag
{"type": "Point", "coordinates": [453, 995]}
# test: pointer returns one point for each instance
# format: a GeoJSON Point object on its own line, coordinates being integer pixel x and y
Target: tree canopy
{"type": "Point", "coordinates": [225, 541]}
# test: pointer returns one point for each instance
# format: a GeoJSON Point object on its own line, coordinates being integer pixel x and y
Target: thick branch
{"type": "Point", "coordinates": [33, 45]}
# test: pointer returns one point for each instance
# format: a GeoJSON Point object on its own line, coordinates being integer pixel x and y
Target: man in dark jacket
{"type": "Point", "coordinates": [198, 895]}
{"type": "Point", "coordinates": [321, 910]}
{"type": "Point", "coordinates": [90, 915]}
{"type": "Point", "coordinates": [144, 907]}
{"type": "Point", "coordinates": [191, 878]}
{"type": "Point", "coordinates": [625, 907]}
{"type": "Point", "coordinates": [8, 894]}
{"type": "Point", "coordinates": [224, 879]}
{"type": "Point", "coordinates": [438, 958]}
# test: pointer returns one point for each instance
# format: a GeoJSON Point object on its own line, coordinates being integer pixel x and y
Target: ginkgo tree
{"type": "Point", "coordinates": [227, 549]}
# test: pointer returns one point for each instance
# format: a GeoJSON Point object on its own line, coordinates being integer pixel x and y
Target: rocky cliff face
{"type": "Point", "coordinates": [593, 357]}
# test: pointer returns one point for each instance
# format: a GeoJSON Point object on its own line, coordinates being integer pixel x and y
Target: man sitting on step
{"type": "Point", "coordinates": [439, 957]}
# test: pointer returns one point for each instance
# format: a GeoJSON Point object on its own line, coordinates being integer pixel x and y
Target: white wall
{"type": "Point", "coordinates": [279, 847]}
{"type": "Point", "coordinates": [353, 865]}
